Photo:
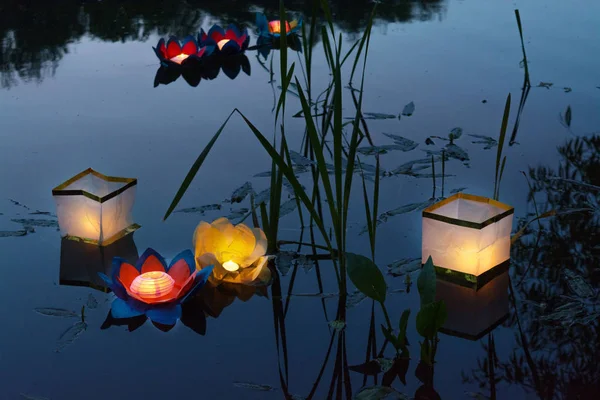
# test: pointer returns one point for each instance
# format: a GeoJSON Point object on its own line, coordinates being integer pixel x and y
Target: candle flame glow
{"type": "Point", "coordinates": [231, 266]}
{"type": "Point", "coordinates": [222, 43]}
{"type": "Point", "coordinates": [179, 58]}
{"type": "Point", "coordinates": [152, 285]}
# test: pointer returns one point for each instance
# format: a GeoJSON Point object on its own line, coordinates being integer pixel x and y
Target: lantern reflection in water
{"type": "Point", "coordinates": [472, 314]}
{"type": "Point", "coordinates": [468, 238]}
{"type": "Point", "coordinates": [80, 262]}
{"type": "Point", "coordinates": [95, 208]}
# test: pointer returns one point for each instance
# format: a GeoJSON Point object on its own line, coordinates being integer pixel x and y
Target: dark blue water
{"type": "Point", "coordinates": [77, 91]}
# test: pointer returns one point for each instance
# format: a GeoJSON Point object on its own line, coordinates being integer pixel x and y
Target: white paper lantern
{"type": "Point", "coordinates": [95, 208]}
{"type": "Point", "coordinates": [80, 262]}
{"type": "Point", "coordinates": [473, 314]}
{"type": "Point", "coordinates": [468, 238]}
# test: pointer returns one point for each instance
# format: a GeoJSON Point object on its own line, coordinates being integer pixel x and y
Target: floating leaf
{"type": "Point", "coordinates": [240, 193]}
{"type": "Point", "coordinates": [287, 207]}
{"type": "Point", "coordinates": [42, 223]}
{"type": "Point", "coordinates": [262, 197]}
{"type": "Point", "coordinates": [431, 318]}
{"type": "Point", "coordinates": [568, 116]}
{"type": "Point", "coordinates": [237, 214]}
{"type": "Point", "coordinates": [404, 266]}
{"type": "Point", "coordinates": [373, 150]}
{"type": "Point", "coordinates": [299, 159]}
{"type": "Point", "coordinates": [385, 363]}
{"type": "Point", "coordinates": [366, 276]}
{"type": "Point", "coordinates": [283, 261]}
{"type": "Point", "coordinates": [265, 174]}
{"type": "Point", "coordinates": [355, 299]}
{"type": "Point", "coordinates": [409, 109]}
{"type": "Point", "coordinates": [577, 284]}
{"type": "Point", "coordinates": [404, 209]}
{"type": "Point", "coordinates": [56, 312]}
{"type": "Point", "coordinates": [379, 393]}
{"type": "Point", "coordinates": [70, 335]}
{"type": "Point", "coordinates": [337, 324]}
{"type": "Point", "coordinates": [199, 210]}
{"type": "Point", "coordinates": [453, 151]}
{"type": "Point", "coordinates": [16, 203]}
{"type": "Point", "coordinates": [399, 369]}
{"type": "Point", "coordinates": [546, 85]}
{"type": "Point", "coordinates": [567, 89]}
{"type": "Point", "coordinates": [373, 115]}
{"type": "Point", "coordinates": [13, 233]}
{"type": "Point", "coordinates": [254, 386]}
{"type": "Point", "coordinates": [426, 283]}
{"type": "Point", "coordinates": [91, 302]}
{"type": "Point", "coordinates": [404, 143]}
{"type": "Point", "coordinates": [458, 190]}
{"type": "Point", "coordinates": [455, 133]}
{"type": "Point", "coordinates": [38, 212]}
{"type": "Point", "coordinates": [487, 141]}
{"type": "Point", "coordinates": [429, 142]}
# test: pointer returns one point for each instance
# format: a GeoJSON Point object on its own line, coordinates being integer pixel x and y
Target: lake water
{"type": "Point", "coordinates": [77, 91]}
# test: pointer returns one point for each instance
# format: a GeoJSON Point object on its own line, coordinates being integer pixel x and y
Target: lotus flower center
{"type": "Point", "coordinates": [152, 285]}
{"type": "Point", "coordinates": [275, 27]}
{"type": "Point", "coordinates": [179, 58]}
{"type": "Point", "coordinates": [222, 43]}
{"type": "Point", "coordinates": [231, 266]}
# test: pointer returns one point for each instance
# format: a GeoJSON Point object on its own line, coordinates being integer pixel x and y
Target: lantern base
{"type": "Point", "coordinates": [130, 229]}
{"type": "Point", "coordinates": [471, 281]}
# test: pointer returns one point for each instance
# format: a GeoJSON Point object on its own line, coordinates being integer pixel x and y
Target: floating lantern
{"type": "Point", "coordinates": [473, 314]}
{"type": "Point", "coordinates": [227, 41]}
{"type": "Point", "coordinates": [468, 238]}
{"type": "Point", "coordinates": [236, 251]}
{"type": "Point", "coordinates": [152, 288]}
{"type": "Point", "coordinates": [209, 69]}
{"type": "Point", "coordinates": [80, 262]}
{"type": "Point", "coordinates": [274, 28]}
{"type": "Point", "coordinates": [181, 53]}
{"type": "Point", "coordinates": [95, 208]}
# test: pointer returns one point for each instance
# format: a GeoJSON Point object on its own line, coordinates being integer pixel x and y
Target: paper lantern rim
{"type": "Point", "coordinates": [429, 211]}
{"type": "Point", "coordinates": [61, 190]}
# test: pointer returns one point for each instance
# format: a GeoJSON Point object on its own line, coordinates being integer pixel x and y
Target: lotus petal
{"type": "Point", "coordinates": [150, 261]}
{"type": "Point", "coordinates": [167, 315]}
{"type": "Point", "coordinates": [124, 272]}
{"type": "Point", "coordinates": [189, 46]}
{"type": "Point", "coordinates": [121, 309]}
{"type": "Point", "coordinates": [173, 48]}
{"type": "Point", "coordinates": [199, 281]}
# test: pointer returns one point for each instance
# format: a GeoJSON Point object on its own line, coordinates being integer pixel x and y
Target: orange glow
{"type": "Point", "coordinates": [179, 58]}
{"type": "Point", "coordinates": [231, 266]}
{"type": "Point", "coordinates": [222, 43]}
{"type": "Point", "coordinates": [275, 26]}
{"type": "Point", "coordinates": [152, 285]}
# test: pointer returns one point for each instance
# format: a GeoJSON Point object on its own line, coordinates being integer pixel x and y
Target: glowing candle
{"type": "Point", "coordinates": [275, 26]}
{"type": "Point", "coordinates": [95, 208]}
{"type": "Point", "coordinates": [467, 237]}
{"type": "Point", "coordinates": [222, 43]}
{"type": "Point", "coordinates": [179, 58]}
{"type": "Point", "coordinates": [231, 266]}
{"type": "Point", "coordinates": [152, 285]}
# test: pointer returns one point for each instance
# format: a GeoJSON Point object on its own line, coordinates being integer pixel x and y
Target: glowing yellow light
{"type": "Point", "coordinates": [231, 266]}
{"type": "Point", "coordinates": [152, 285]}
{"type": "Point", "coordinates": [275, 27]}
{"type": "Point", "coordinates": [179, 58]}
{"type": "Point", "coordinates": [222, 43]}
{"type": "Point", "coordinates": [468, 234]}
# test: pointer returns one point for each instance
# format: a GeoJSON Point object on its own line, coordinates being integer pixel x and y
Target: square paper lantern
{"type": "Point", "coordinates": [473, 314]}
{"type": "Point", "coordinates": [95, 208]}
{"type": "Point", "coordinates": [80, 262]}
{"type": "Point", "coordinates": [468, 238]}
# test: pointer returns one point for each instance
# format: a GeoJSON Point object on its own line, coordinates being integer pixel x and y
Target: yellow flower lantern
{"type": "Point", "coordinates": [236, 251]}
{"type": "Point", "coordinates": [473, 314]}
{"type": "Point", "coordinates": [468, 238]}
{"type": "Point", "coordinates": [95, 208]}
{"type": "Point", "coordinates": [80, 262]}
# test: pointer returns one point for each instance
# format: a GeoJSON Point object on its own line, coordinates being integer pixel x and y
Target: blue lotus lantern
{"type": "Point", "coordinates": [231, 40]}
{"type": "Point", "coordinates": [274, 28]}
{"type": "Point", "coordinates": [152, 288]}
{"type": "Point", "coordinates": [175, 52]}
